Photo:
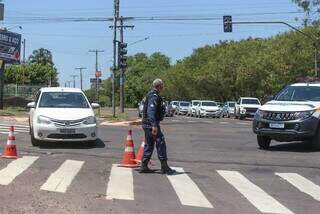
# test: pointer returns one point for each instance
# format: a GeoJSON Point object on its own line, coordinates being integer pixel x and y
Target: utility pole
{"type": "Point", "coordinates": [97, 77]}
{"type": "Point", "coordinates": [114, 68]}
{"type": "Point", "coordinates": [23, 60]}
{"type": "Point", "coordinates": [2, 66]}
{"type": "Point", "coordinates": [80, 69]}
{"type": "Point", "coordinates": [69, 83]}
{"type": "Point", "coordinates": [74, 80]}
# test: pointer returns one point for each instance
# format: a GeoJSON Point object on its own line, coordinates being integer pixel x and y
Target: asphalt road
{"type": "Point", "coordinates": [221, 170]}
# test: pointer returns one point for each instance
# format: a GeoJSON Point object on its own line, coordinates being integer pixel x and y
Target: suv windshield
{"type": "Point", "coordinates": [299, 93]}
{"type": "Point", "coordinates": [63, 100]}
{"type": "Point", "coordinates": [250, 101]}
{"type": "Point", "coordinates": [209, 104]}
{"type": "Point", "coordinates": [195, 103]}
{"type": "Point", "coordinates": [184, 104]}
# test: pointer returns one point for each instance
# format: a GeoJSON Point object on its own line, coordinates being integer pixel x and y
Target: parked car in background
{"type": "Point", "coordinates": [182, 108]}
{"type": "Point", "coordinates": [228, 109]}
{"type": "Point", "coordinates": [207, 108]}
{"type": "Point", "coordinates": [246, 107]}
{"type": "Point", "coordinates": [174, 105]}
{"type": "Point", "coordinates": [140, 108]}
{"type": "Point", "coordinates": [169, 109]}
{"type": "Point", "coordinates": [192, 108]}
{"type": "Point", "coordinates": [61, 115]}
{"type": "Point", "coordinates": [293, 115]}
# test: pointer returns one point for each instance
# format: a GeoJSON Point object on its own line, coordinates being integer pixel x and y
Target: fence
{"type": "Point", "coordinates": [25, 91]}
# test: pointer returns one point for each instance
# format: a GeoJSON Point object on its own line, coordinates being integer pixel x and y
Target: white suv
{"type": "Point", "coordinates": [246, 107]}
{"type": "Point", "coordinates": [192, 108]}
{"type": "Point", "coordinates": [62, 114]}
{"type": "Point", "coordinates": [293, 115]}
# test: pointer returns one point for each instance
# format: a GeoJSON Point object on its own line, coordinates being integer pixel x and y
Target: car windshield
{"type": "Point", "coordinates": [232, 105]}
{"type": "Point", "coordinates": [209, 104]}
{"type": "Point", "coordinates": [251, 101]}
{"type": "Point", "coordinates": [184, 104]}
{"type": "Point", "coordinates": [63, 100]}
{"type": "Point", "coordinates": [195, 103]}
{"type": "Point", "coordinates": [299, 93]}
{"type": "Point", "coordinates": [174, 103]}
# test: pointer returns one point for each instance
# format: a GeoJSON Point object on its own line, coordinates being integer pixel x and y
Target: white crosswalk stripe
{"type": "Point", "coordinates": [258, 197]}
{"type": "Point", "coordinates": [120, 184]}
{"type": "Point", "coordinates": [15, 168]}
{"type": "Point", "coordinates": [303, 184]}
{"type": "Point", "coordinates": [188, 192]}
{"type": "Point", "coordinates": [60, 180]}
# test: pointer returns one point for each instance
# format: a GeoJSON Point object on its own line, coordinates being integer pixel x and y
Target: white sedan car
{"type": "Point", "coordinates": [62, 114]}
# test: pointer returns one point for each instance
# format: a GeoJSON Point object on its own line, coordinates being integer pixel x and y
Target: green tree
{"type": "Point", "coordinates": [311, 8]}
{"type": "Point", "coordinates": [41, 56]}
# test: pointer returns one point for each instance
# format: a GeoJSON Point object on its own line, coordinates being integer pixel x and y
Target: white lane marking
{"type": "Point", "coordinates": [240, 123]}
{"type": "Point", "coordinates": [16, 131]}
{"type": "Point", "coordinates": [15, 168]}
{"type": "Point", "coordinates": [303, 184]}
{"type": "Point", "coordinates": [224, 122]}
{"type": "Point", "coordinates": [60, 180]}
{"type": "Point", "coordinates": [120, 185]}
{"type": "Point", "coordinates": [175, 120]}
{"type": "Point", "coordinates": [15, 125]}
{"type": "Point", "coordinates": [188, 192]}
{"type": "Point", "coordinates": [258, 197]}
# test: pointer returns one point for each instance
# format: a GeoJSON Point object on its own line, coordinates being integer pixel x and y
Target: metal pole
{"type": "Point", "coordinates": [74, 80]}
{"type": "Point", "coordinates": [24, 51]}
{"type": "Point", "coordinates": [122, 72]}
{"type": "Point", "coordinates": [2, 64]}
{"type": "Point", "coordinates": [115, 17]}
{"type": "Point", "coordinates": [80, 69]}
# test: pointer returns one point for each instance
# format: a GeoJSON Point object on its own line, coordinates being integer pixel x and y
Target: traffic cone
{"type": "Point", "coordinates": [129, 156]}
{"type": "Point", "coordinates": [140, 153]}
{"type": "Point", "coordinates": [10, 150]}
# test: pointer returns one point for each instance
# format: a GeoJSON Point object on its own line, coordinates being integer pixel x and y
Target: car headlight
{"type": "Point", "coordinates": [260, 113]}
{"type": "Point", "coordinates": [89, 120]}
{"type": "Point", "coordinates": [201, 109]}
{"type": "Point", "coordinates": [303, 115]}
{"type": "Point", "coordinates": [44, 120]}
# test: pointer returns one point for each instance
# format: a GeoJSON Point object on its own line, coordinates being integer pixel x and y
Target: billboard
{"type": "Point", "coordinates": [10, 46]}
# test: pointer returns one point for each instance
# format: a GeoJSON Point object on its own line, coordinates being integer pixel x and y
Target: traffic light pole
{"type": "Point", "coordinates": [315, 40]}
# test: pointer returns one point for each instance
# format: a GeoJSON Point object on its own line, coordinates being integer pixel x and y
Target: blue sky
{"type": "Point", "coordinates": [71, 41]}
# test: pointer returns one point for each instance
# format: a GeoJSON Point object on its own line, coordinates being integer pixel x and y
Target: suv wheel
{"type": "Point", "coordinates": [263, 142]}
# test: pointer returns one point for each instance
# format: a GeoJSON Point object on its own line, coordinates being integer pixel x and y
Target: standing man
{"type": "Point", "coordinates": [153, 113]}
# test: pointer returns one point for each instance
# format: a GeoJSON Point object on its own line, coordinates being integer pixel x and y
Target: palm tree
{"type": "Point", "coordinates": [41, 56]}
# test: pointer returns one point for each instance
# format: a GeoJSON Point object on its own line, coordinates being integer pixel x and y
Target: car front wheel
{"type": "Point", "coordinates": [34, 141]}
{"type": "Point", "coordinates": [263, 142]}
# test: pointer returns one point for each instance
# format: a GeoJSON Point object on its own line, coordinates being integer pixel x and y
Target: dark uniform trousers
{"type": "Point", "coordinates": [149, 145]}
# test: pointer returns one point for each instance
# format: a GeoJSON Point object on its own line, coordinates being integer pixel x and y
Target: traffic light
{"type": "Point", "coordinates": [122, 55]}
{"type": "Point", "coordinates": [227, 24]}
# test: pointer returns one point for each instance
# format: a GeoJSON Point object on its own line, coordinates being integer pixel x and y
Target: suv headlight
{"type": "Point", "coordinates": [303, 115]}
{"type": "Point", "coordinates": [43, 120]}
{"type": "Point", "coordinates": [260, 113]}
{"type": "Point", "coordinates": [89, 120]}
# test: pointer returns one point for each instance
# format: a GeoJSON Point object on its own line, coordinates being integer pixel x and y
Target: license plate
{"type": "Point", "coordinates": [67, 131]}
{"type": "Point", "coordinates": [276, 125]}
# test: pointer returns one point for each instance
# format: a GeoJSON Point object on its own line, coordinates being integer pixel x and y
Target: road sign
{"type": "Point", "coordinates": [98, 74]}
{"type": "Point", "coordinates": [94, 80]}
{"type": "Point", "coordinates": [10, 46]}
{"type": "Point", "coordinates": [227, 24]}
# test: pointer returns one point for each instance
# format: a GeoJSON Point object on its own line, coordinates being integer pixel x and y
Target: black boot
{"type": "Point", "coordinates": [144, 167]}
{"type": "Point", "coordinates": [165, 169]}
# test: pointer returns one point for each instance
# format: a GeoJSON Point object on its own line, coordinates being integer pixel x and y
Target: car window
{"type": "Point", "coordinates": [299, 93]}
{"type": "Point", "coordinates": [63, 100]}
{"type": "Point", "coordinates": [184, 104]}
{"type": "Point", "coordinates": [195, 103]}
{"type": "Point", "coordinates": [209, 104]}
{"type": "Point", "coordinates": [232, 105]}
{"type": "Point", "coordinates": [37, 98]}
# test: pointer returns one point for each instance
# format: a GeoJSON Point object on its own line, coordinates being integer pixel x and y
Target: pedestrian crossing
{"type": "Point", "coordinates": [18, 128]}
{"type": "Point", "coordinates": [119, 184]}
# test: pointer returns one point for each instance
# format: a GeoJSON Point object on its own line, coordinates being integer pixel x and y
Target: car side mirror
{"type": "Point", "coordinates": [31, 105]}
{"type": "Point", "coordinates": [95, 105]}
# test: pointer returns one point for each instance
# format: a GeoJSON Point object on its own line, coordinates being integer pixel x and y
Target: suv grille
{"type": "Point", "coordinates": [279, 116]}
{"type": "Point", "coordinates": [64, 123]}
{"type": "Point", "coordinates": [251, 110]}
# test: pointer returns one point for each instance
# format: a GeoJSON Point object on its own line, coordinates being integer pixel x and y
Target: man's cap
{"type": "Point", "coordinates": [157, 82]}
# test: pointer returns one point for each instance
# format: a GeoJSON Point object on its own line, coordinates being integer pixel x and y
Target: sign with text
{"type": "Point", "coordinates": [10, 46]}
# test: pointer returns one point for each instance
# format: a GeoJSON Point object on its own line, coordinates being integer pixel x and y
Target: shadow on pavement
{"type": "Point", "coordinates": [74, 145]}
{"type": "Point", "coordinates": [302, 147]}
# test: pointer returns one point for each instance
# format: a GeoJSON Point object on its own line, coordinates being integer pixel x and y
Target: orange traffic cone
{"type": "Point", "coordinates": [140, 153]}
{"type": "Point", "coordinates": [10, 150]}
{"type": "Point", "coordinates": [129, 156]}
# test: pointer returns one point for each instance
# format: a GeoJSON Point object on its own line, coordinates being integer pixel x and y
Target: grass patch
{"type": "Point", "coordinates": [14, 111]}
